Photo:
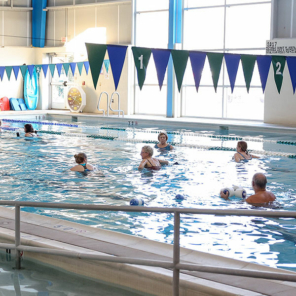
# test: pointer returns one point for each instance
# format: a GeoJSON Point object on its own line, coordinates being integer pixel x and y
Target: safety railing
{"type": "Point", "coordinates": [175, 264]}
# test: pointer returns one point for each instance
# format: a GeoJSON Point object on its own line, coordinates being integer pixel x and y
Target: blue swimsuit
{"type": "Point", "coordinates": [85, 168]}
{"type": "Point", "coordinates": [244, 159]}
{"type": "Point", "coordinates": [168, 147]}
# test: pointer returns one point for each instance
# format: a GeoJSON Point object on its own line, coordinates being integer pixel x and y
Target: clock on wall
{"type": "Point", "coordinates": [76, 99]}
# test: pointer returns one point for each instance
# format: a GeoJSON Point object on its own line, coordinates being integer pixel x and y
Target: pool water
{"type": "Point", "coordinates": [40, 280]}
{"type": "Point", "coordinates": [38, 170]}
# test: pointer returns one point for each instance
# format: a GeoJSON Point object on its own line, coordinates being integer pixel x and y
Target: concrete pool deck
{"type": "Point", "coordinates": [46, 232]}
{"type": "Point", "coordinates": [182, 122]}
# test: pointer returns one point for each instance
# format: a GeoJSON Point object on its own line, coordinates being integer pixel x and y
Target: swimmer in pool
{"type": "Point", "coordinates": [261, 196]}
{"type": "Point", "coordinates": [163, 145]}
{"type": "Point", "coordinates": [29, 131]}
{"type": "Point", "coordinates": [242, 153]}
{"type": "Point", "coordinates": [149, 162]}
{"type": "Point", "coordinates": [82, 165]}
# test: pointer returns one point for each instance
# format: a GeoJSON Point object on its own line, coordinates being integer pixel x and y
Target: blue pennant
{"type": "Point", "coordinates": [2, 69]}
{"type": "Point", "coordinates": [73, 67]}
{"type": "Point", "coordinates": [86, 66]}
{"type": "Point", "coordinates": [117, 55]}
{"type": "Point", "coordinates": [161, 59]}
{"type": "Point", "coordinates": [291, 61]}
{"type": "Point", "coordinates": [197, 60]}
{"type": "Point", "coordinates": [31, 69]}
{"type": "Point", "coordinates": [16, 71]}
{"type": "Point", "coordinates": [232, 63]}
{"type": "Point", "coordinates": [44, 68]}
{"type": "Point", "coordinates": [59, 68]}
{"type": "Point", "coordinates": [263, 63]}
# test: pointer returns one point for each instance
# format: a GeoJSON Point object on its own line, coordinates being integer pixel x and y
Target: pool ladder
{"type": "Point", "coordinates": [109, 105]}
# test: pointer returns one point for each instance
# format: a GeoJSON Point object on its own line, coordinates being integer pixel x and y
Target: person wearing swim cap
{"type": "Point", "coordinates": [261, 196]}
{"type": "Point", "coordinates": [163, 145]}
{"type": "Point", "coordinates": [149, 162]}
{"type": "Point", "coordinates": [82, 165]}
{"type": "Point", "coordinates": [242, 153]}
{"type": "Point", "coordinates": [29, 131]}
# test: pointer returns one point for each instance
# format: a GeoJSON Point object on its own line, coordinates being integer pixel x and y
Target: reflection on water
{"type": "Point", "coordinates": [33, 172]}
{"type": "Point", "coordinates": [39, 280]}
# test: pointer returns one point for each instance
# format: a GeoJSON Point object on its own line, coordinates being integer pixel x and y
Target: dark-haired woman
{"type": "Point", "coordinates": [163, 145]}
{"type": "Point", "coordinates": [242, 153]}
{"type": "Point", "coordinates": [29, 131]}
{"type": "Point", "coordinates": [82, 165]}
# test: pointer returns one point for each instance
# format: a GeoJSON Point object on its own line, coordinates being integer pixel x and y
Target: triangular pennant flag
{"type": "Point", "coordinates": [79, 66]}
{"type": "Point", "coordinates": [107, 64]}
{"type": "Point", "coordinates": [66, 68]}
{"type": "Point", "coordinates": [24, 69]}
{"type": "Point", "coordinates": [117, 55]}
{"type": "Point", "coordinates": [180, 58]}
{"type": "Point", "coordinates": [161, 59]}
{"type": "Point", "coordinates": [197, 60]}
{"type": "Point", "coordinates": [248, 63]}
{"type": "Point", "coordinates": [291, 61]}
{"type": "Point", "coordinates": [278, 63]}
{"type": "Point", "coordinates": [96, 54]}
{"type": "Point", "coordinates": [38, 69]}
{"type": "Point", "coordinates": [8, 71]}
{"type": "Point", "coordinates": [263, 63]}
{"type": "Point", "coordinates": [31, 69]}
{"type": "Point", "coordinates": [44, 68]}
{"type": "Point", "coordinates": [215, 61]}
{"type": "Point", "coordinates": [16, 71]}
{"type": "Point", "coordinates": [141, 58]}
{"type": "Point", "coordinates": [86, 66]}
{"type": "Point", "coordinates": [73, 67]}
{"type": "Point", "coordinates": [52, 69]}
{"type": "Point", "coordinates": [59, 68]}
{"type": "Point", "coordinates": [2, 69]}
{"type": "Point", "coordinates": [232, 63]}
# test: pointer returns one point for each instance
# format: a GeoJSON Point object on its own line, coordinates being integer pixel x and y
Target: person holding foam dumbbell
{"type": "Point", "coordinates": [261, 196]}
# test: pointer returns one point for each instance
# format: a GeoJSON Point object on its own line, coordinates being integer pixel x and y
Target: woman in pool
{"type": "Point", "coordinates": [82, 165]}
{"type": "Point", "coordinates": [242, 153]}
{"type": "Point", "coordinates": [163, 145]}
{"type": "Point", "coordinates": [149, 162]}
{"type": "Point", "coordinates": [29, 131]}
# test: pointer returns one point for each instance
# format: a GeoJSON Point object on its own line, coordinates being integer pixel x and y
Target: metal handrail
{"type": "Point", "coordinates": [103, 92]}
{"type": "Point", "coordinates": [118, 95]}
{"type": "Point", "coordinates": [175, 265]}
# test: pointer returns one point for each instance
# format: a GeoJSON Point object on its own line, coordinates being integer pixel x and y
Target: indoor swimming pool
{"type": "Point", "coordinates": [38, 170]}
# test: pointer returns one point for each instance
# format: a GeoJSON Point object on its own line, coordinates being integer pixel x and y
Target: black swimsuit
{"type": "Point", "coordinates": [153, 167]}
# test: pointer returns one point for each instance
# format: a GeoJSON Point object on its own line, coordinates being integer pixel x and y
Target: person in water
{"type": "Point", "coordinates": [261, 196]}
{"type": "Point", "coordinates": [149, 162]}
{"type": "Point", "coordinates": [29, 131]}
{"type": "Point", "coordinates": [163, 145]}
{"type": "Point", "coordinates": [242, 153]}
{"type": "Point", "coordinates": [82, 165]}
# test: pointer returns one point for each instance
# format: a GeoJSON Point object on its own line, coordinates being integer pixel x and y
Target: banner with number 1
{"type": "Point", "coordinates": [141, 58]}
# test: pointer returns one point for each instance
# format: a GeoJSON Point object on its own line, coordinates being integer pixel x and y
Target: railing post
{"type": "Point", "coordinates": [17, 231]}
{"type": "Point", "coordinates": [176, 255]}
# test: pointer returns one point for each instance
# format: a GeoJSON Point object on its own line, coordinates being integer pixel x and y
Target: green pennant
{"type": "Point", "coordinates": [23, 70]}
{"type": "Point", "coordinates": [38, 69]}
{"type": "Point", "coordinates": [215, 61]}
{"type": "Point", "coordinates": [248, 63]}
{"type": "Point", "coordinates": [96, 54]}
{"type": "Point", "coordinates": [52, 68]}
{"type": "Point", "coordinates": [8, 71]}
{"type": "Point", "coordinates": [180, 58]}
{"type": "Point", "coordinates": [66, 68]}
{"type": "Point", "coordinates": [141, 58]}
{"type": "Point", "coordinates": [80, 66]}
{"type": "Point", "coordinates": [278, 63]}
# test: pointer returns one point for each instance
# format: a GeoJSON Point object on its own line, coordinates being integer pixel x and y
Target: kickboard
{"type": "Point", "coordinates": [14, 104]}
{"type": "Point", "coordinates": [31, 90]}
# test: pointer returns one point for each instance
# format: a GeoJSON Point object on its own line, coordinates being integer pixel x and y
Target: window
{"type": "Point", "coordinates": [152, 26]}
{"type": "Point", "coordinates": [228, 26]}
